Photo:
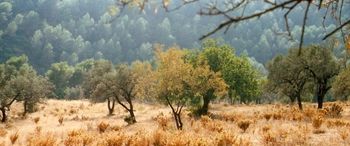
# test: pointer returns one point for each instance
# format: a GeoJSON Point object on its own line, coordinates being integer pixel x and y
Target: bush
{"type": "Point", "coordinates": [14, 137]}
{"type": "Point", "coordinates": [102, 126]}
{"type": "Point", "coordinates": [36, 120]}
{"type": "Point", "coordinates": [74, 93]}
{"type": "Point", "coordinates": [317, 122]}
{"type": "Point", "coordinates": [334, 111]}
{"type": "Point", "coordinates": [162, 120]}
{"type": "Point", "coordinates": [244, 125]}
{"type": "Point", "coordinates": [60, 120]}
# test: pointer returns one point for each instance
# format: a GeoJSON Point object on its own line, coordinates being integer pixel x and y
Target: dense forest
{"type": "Point", "coordinates": [50, 31]}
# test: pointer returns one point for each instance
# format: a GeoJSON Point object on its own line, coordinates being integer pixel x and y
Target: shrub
{"type": "Point", "coordinates": [36, 120]}
{"type": "Point", "coordinates": [138, 139]}
{"type": "Point", "coordinates": [337, 123]}
{"type": "Point", "coordinates": [78, 137]}
{"type": "Point", "coordinates": [162, 120]}
{"type": "Point", "coordinates": [37, 129]}
{"type": "Point", "coordinates": [277, 116]}
{"type": "Point", "coordinates": [266, 128]}
{"type": "Point", "coordinates": [60, 120]}
{"type": "Point", "coordinates": [317, 122]}
{"type": "Point", "coordinates": [319, 131]}
{"type": "Point", "coordinates": [3, 132]}
{"type": "Point", "coordinates": [344, 134]}
{"type": "Point", "coordinates": [73, 93]}
{"type": "Point", "coordinates": [114, 139]}
{"type": "Point", "coordinates": [267, 116]}
{"type": "Point", "coordinates": [14, 137]}
{"type": "Point", "coordinates": [115, 128]}
{"type": "Point", "coordinates": [159, 138]}
{"type": "Point", "coordinates": [227, 138]}
{"type": "Point", "coordinates": [102, 126]}
{"type": "Point", "coordinates": [334, 111]}
{"type": "Point", "coordinates": [244, 124]}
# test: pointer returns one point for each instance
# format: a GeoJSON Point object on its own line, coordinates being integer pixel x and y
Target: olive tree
{"type": "Point", "coordinates": [179, 82]}
{"type": "Point", "coordinates": [341, 85]}
{"type": "Point", "coordinates": [322, 66]}
{"type": "Point", "coordinates": [125, 82]}
{"type": "Point", "coordinates": [30, 87]}
{"type": "Point", "coordinates": [97, 84]}
{"type": "Point", "coordinates": [287, 75]}
{"type": "Point", "coordinates": [19, 82]}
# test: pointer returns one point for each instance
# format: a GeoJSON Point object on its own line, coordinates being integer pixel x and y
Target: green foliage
{"type": "Point", "coordinates": [321, 65]}
{"type": "Point", "coordinates": [80, 71]}
{"type": "Point", "coordinates": [341, 85]}
{"type": "Point", "coordinates": [98, 81]}
{"type": "Point", "coordinates": [55, 31]}
{"type": "Point", "coordinates": [238, 73]}
{"type": "Point", "coordinates": [295, 75]}
{"type": "Point", "coordinates": [287, 76]}
{"type": "Point", "coordinates": [60, 74]}
{"type": "Point", "coordinates": [19, 81]}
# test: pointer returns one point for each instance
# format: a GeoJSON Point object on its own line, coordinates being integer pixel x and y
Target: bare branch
{"type": "Point", "coordinates": [303, 28]}
{"type": "Point", "coordinates": [255, 15]}
{"type": "Point", "coordinates": [336, 29]}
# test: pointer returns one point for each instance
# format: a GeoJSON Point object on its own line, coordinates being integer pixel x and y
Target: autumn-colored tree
{"type": "Point", "coordinates": [173, 81]}
{"type": "Point", "coordinates": [206, 85]}
{"type": "Point", "coordinates": [180, 82]}
{"type": "Point", "coordinates": [146, 80]}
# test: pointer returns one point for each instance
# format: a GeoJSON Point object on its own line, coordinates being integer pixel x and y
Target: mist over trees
{"type": "Point", "coordinates": [72, 31]}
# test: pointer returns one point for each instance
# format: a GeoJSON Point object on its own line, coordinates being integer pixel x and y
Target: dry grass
{"type": "Point", "coordinates": [14, 137]}
{"type": "Point", "coordinates": [87, 124]}
{"type": "Point", "coordinates": [47, 139]}
{"type": "Point", "coordinates": [3, 132]}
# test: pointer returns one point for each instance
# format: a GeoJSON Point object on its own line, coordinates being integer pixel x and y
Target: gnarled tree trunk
{"type": "Point", "coordinates": [110, 103]}
{"type": "Point", "coordinates": [4, 116]}
{"type": "Point", "coordinates": [25, 108]}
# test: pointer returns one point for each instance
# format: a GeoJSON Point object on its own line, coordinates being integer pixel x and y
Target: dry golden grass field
{"type": "Point", "coordinates": [80, 123]}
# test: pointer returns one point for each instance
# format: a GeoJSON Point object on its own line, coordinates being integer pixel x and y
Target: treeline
{"type": "Point", "coordinates": [181, 78]}
{"type": "Point", "coordinates": [51, 31]}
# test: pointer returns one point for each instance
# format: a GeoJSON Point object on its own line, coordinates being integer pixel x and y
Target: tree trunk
{"type": "Point", "coordinates": [4, 116]}
{"type": "Point", "coordinates": [110, 106]}
{"type": "Point", "coordinates": [132, 115]}
{"type": "Point", "coordinates": [321, 92]}
{"type": "Point", "coordinates": [24, 108]}
{"type": "Point", "coordinates": [320, 101]}
{"type": "Point", "coordinates": [299, 102]}
{"type": "Point", "coordinates": [205, 107]}
{"type": "Point", "coordinates": [178, 120]}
